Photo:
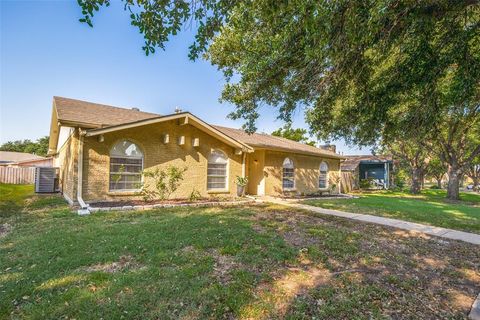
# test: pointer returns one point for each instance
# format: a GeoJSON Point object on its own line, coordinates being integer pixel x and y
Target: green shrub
{"type": "Point", "coordinates": [241, 181]}
{"type": "Point", "coordinates": [194, 195]}
{"type": "Point", "coordinates": [165, 183]}
{"type": "Point", "coordinates": [366, 183]}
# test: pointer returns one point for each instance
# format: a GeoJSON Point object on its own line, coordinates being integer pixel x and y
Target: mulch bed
{"type": "Point", "coordinates": [122, 203]}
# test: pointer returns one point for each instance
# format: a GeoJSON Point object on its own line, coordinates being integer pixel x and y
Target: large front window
{"type": "Point", "coordinates": [217, 171]}
{"type": "Point", "coordinates": [126, 166]}
{"type": "Point", "coordinates": [288, 174]}
{"type": "Point", "coordinates": [323, 176]}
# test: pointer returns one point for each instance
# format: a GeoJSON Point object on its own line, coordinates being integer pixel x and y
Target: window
{"type": "Point", "coordinates": [126, 166]}
{"type": "Point", "coordinates": [323, 176]}
{"type": "Point", "coordinates": [288, 175]}
{"type": "Point", "coordinates": [217, 171]}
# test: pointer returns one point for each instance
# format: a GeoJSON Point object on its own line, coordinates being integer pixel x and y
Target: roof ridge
{"type": "Point", "coordinates": [281, 139]}
{"type": "Point", "coordinates": [107, 105]}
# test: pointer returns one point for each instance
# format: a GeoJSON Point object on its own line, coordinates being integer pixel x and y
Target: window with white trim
{"type": "Point", "coordinates": [288, 174]}
{"type": "Point", "coordinates": [126, 166]}
{"type": "Point", "coordinates": [217, 171]}
{"type": "Point", "coordinates": [323, 176]}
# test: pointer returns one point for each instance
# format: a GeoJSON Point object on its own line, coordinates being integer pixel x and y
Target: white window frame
{"type": "Point", "coordinates": [226, 176]}
{"type": "Point", "coordinates": [127, 174]}
{"type": "Point", "coordinates": [326, 175]}
{"type": "Point", "coordinates": [288, 164]}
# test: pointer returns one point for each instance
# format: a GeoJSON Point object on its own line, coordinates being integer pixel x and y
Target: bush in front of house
{"type": "Point", "coordinates": [366, 183]}
{"type": "Point", "coordinates": [165, 183]}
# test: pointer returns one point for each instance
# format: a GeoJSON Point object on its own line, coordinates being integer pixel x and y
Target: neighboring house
{"type": "Point", "coordinates": [102, 150]}
{"type": "Point", "coordinates": [22, 159]}
{"type": "Point", "coordinates": [377, 168]}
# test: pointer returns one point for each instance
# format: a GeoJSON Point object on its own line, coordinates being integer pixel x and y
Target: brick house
{"type": "Point", "coordinates": [102, 151]}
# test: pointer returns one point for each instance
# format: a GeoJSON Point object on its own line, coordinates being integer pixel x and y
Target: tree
{"type": "Point", "coordinates": [413, 156]}
{"type": "Point", "coordinates": [39, 147]}
{"type": "Point", "coordinates": [299, 135]}
{"type": "Point", "coordinates": [360, 69]}
{"type": "Point", "coordinates": [436, 169]}
{"type": "Point", "coordinates": [473, 172]}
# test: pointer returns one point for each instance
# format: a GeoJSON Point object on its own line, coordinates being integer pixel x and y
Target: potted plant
{"type": "Point", "coordinates": [241, 182]}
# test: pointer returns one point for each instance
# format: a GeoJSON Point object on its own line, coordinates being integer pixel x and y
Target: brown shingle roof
{"type": "Point", "coordinates": [11, 156]}
{"type": "Point", "coordinates": [95, 114]}
{"type": "Point", "coordinates": [266, 141]}
{"type": "Point", "coordinates": [100, 115]}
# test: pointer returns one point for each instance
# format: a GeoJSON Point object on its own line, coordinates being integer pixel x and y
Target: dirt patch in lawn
{"type": "Point", "coordinates": [124, 263]}
{"type": "Point", "coordinates": [223, 264]}
{"type": "Point", "coordinates": [384, 271]}
{"type": "Point", "coordinates": [5, 229]}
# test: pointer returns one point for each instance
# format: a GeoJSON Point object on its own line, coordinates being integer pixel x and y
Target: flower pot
{"type": "Point", "coordinates": [240, 190]}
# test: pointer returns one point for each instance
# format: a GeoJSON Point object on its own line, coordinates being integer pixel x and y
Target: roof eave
{"type": "Point", "coordinates": [324, 155]}
{"type": "Point", "coordinates": [238, 144]}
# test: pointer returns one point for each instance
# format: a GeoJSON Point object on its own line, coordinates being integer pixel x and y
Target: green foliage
{"type": "Point", "coordinates": [365, 71]}
{"type": "Point", "coordinates": [39, 147]}
{"type": "Point", "coordinates": [436, 168]}
{"type": "Point", "coordinates": [241, 181]}
{"type": "Point", "coordinates": [400, 177]}
{"type": "Point", "coordinates": [159, 20]}
{"type": "Point", "coordinates": [366, 183]}
{"type": "Point", "coordinates": [165, 182]}
{"type": "Point", "coordinates": [299, 135]}
{"type": "Point", "coordinates": [194, 195]}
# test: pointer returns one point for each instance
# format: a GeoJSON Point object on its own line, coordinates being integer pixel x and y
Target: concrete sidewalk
{"type": "Point", "coordinates": [410, 226]}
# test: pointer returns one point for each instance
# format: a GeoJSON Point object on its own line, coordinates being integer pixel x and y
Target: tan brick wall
{"type": "Point", "coordinates": [66, 160]}
{"type": "Point", "coordinates": [157, 154]}
{"type": "Point", "coordinates": [306, 172]}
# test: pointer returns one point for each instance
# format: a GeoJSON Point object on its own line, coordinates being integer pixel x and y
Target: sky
{"type": "Point", "coordinates": [45, 51]}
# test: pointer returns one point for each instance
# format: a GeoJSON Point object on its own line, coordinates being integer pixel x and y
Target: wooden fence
{"type": "Point", "coordinates": [17, 175]}
{"type": "Point", "coordinates": [348, 182]}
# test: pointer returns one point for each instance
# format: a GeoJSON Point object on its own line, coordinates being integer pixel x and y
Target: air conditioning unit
{"type": "Point", "coordinates": [45, 179]}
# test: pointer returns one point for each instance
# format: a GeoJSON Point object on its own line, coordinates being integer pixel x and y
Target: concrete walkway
{"type": "Point", "coordinates": [410, 226]}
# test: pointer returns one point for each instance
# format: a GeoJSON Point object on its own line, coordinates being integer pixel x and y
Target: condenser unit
{"type": "Point", "coordinates": [45, 179]}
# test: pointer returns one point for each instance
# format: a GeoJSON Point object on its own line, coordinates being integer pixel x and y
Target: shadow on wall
{"type": "Point", "coordinates": [306, 182]}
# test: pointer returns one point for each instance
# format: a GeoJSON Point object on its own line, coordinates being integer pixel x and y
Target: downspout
{"type": "Point", "coordinates": [83, 206]}
{"type": "Point", "coordinates": [340, 176]}
{"type": "Point", "coordinates": [244, 156]}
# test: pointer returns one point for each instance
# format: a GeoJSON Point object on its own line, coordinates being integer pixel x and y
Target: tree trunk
{"type": "Point", "coordinates": [453, 192]}
{"type": "Point", "coordinates": [439, 183]}
{"type": "Point", "coordinates": [476, 182]}
{"type": "Point", "coordinates": [416, 181]}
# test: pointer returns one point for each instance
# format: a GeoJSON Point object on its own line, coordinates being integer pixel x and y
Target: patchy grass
{"type": "Point", "coordinates": [254, 262]}
{"type": "Point", "coordinates": [430, 207]}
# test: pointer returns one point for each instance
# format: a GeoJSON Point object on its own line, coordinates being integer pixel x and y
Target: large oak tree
{"type": "Point", "coordinates": [362, 70]}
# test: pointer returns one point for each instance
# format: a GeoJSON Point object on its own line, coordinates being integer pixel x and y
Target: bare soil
{"type": "Point", "coordinates": [419, 276]}
{"type": "Point", "coordinates": [122, 203]}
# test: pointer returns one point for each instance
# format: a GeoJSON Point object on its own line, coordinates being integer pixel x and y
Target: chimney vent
{"type": "Point", "coordinates": [329, 147]}
{"type": "Point", "coordinates": [178, 110]}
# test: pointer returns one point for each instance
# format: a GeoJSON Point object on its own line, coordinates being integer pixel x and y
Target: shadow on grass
{"type": "Point", "coordinates": [252, 262]}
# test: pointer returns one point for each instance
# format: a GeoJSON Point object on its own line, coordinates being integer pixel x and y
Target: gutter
{"type": "Point", "coordinates": [83, 206]}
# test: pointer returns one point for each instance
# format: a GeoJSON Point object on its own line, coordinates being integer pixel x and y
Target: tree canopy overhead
{"type": "Point", "coordinates": [365, 71]}
{"type": "Point", "coordinates": [359, 67]}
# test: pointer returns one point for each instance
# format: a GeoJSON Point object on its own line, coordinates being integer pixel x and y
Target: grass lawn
{"type": "Point", "coordinates": [252, 262]}
{"type": "Point", "coordinates": [430, 207]}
